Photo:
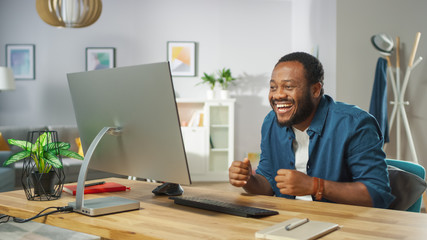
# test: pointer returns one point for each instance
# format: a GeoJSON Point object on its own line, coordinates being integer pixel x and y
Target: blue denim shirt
{"type": "Point", "coordinates": [345, 146]}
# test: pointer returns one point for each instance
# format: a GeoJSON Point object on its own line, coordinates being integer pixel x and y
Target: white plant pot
{"type": "Point", "coordinates": [210, 94]}
{"type": "Point", "coordinates": [224, 94]}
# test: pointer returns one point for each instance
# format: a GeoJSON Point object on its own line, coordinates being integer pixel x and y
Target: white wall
{"type": "Point", "coordinates": [314, 31]}
{"type": "Point", "coordinates": [357, 21]}
{"type": "Point", "coordinates": [248, 36]}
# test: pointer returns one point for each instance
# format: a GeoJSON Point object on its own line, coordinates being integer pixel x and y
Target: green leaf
{"type": "Point", "coordinates": [20, 143]}
{"type": "Point", "coordinates": [208, 79]}
{"type": "Point", "coordinates": [38, 141]}
{"type": "Point", "coordinates": [64, 145]}
{"type": "Point", "coordinates": [16, 157]}
{"type": "Point", "coordinates": [225, 77]}
{"type": "Point", "coordinates": [70, 154]}
{"type": "Point", "coordinates": [60, 145]}
{"type": "Point", "coordinates": [52, 159]}
{"type": "Point", "coordinates": [34, 157]}
{"type": "Point", "coordinates": [41, 163]}
{"type": "Point", "coordinates": [42, 141]}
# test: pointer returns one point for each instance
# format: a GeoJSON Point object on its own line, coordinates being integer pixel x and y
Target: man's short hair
{"type": "Point", "coordinates": [313, 67]}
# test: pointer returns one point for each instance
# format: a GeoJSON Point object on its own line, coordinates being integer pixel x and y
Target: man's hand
{"type": "Point", "coordinates": [240, 172]}
{"type": "Point", "coordinates": [293, 182]}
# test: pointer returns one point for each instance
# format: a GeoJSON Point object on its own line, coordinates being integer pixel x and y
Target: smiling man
{"type": "Point", "coordinates": [312, 147]}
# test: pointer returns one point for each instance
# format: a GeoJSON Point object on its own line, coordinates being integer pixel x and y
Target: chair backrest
{"type": "Point", "coordinates": [414, 169]}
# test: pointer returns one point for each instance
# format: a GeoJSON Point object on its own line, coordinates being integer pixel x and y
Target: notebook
{"type": "Point", "coordinates": [308, 230]}
{"type": "Point", "coordinates": [106, 187]}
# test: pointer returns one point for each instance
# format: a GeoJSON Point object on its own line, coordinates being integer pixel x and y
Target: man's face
{"type": "Point", "coordinates": [290, 95]}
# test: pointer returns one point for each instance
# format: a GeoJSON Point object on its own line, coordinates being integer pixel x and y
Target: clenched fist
{"type": "Point", "coordinates": [240, 172]}
{"type": "Point", "coordinates": [293, 182]}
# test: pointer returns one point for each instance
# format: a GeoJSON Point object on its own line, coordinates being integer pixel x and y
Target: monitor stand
{"type": "Point", "coordinates": [106, 205]}
{"type": "Point", "coordinates": [99, 206]}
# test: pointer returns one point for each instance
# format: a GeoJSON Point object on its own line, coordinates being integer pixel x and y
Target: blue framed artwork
{"type": "Point", "coordinates": [21, 59]}
{"type": "Point", "coordinates": [100, 58]}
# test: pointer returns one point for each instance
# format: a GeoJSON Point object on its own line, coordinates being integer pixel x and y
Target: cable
{"type": "Point", "coordinates": [4, 216]}
{"type": "Point", "coordinates": [40, 214]}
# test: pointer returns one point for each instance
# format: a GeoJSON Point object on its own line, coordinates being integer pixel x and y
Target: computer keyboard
{"type": "Point", "coordinates": [224, 207]}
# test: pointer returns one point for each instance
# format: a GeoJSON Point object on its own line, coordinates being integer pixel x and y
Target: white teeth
{"type": "Point", "coordinates": [283, 105]}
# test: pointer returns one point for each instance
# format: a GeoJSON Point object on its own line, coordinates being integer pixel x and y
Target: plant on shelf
{"type": "Point", "coordinates": [43, 152]}
{"type": "Point", "coordinates": [208, 79]}
{"type": "Point", "coordinates": [225, 78]}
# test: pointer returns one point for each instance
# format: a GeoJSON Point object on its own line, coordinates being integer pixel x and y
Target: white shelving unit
{"type": "Point", "coordinates": [208, 131]}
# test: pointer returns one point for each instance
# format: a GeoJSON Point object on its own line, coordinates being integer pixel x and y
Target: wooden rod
{"type": "Point", "coordinates": [397, 52]}
{"type": "Point", "coordinates": [414, 49]}
{"type": "Point", "coordinates": [388, 61]}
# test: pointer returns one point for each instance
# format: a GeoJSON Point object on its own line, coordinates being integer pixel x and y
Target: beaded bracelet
{"type": "Point", "coordinates": [318, 188]}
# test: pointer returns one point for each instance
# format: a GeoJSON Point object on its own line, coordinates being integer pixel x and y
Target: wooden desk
{"type": "Point", "coordinates": [160, 218]}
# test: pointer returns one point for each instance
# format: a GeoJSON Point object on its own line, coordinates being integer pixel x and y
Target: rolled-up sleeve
{"type": "Point", "coordinates": [366, 160]}
{"type": "Point", "coordinates": [265, 166]}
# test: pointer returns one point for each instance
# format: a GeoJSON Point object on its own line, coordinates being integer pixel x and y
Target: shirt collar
{"type": "Point", "coordinates": [318, 122]}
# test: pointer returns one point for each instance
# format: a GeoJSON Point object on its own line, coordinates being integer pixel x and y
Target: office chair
{"type": "Point", "coordinates": [407, 185]}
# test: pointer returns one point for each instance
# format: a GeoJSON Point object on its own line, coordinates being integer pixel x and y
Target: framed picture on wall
{"type": "Point", "coordinates": [100, 58]}
{"type": "Point", "coordinates": [21, 58]}
{"type": "Point", "coordinates": [182, 58]}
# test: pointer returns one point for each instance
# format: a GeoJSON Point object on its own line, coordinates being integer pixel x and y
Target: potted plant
{"type": "Point", "coordinates": [210, 80]}
{"type": "Point", "coordinates": [44, 157]}
{"type": "Point", "coordinates": [225, 79]}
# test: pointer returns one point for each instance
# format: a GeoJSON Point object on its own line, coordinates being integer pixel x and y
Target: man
{"type": "Point", "coordinates": [313, 146]}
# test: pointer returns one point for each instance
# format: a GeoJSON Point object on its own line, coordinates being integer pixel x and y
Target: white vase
{"type": "Point", "coordinates": [224, 94]}
{"type": "Point", "coordinates": [210, 94]}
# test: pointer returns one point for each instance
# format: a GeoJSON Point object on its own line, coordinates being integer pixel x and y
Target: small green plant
{"type": "Point", "coordinates": [225, 78]}
{"type": "Point", "coordinates": [44, 152]}
{"type": "Point", "coordinates": [208, 79]}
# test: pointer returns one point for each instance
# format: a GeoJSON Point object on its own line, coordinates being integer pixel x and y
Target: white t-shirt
{"type": "Point", "coordinates": [300, 146]}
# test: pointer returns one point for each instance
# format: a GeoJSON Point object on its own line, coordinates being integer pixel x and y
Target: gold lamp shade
{"type": "Point", "coordinates": [69, 13]}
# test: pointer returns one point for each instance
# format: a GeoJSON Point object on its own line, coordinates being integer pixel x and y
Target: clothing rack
{"type": "Point", "coordinates": [399, 103]}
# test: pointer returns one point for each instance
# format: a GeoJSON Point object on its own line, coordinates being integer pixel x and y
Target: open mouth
{"type": "Point", "coordinates": [283, 107]}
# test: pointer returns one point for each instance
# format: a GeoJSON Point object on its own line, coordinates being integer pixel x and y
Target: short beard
{"type": "Point", "coordinates": [305, 108]}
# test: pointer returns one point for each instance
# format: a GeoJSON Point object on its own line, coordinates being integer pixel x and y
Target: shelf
{"type": "Point", "coordinates": [192, 128]}
{"type": "Point", "coordinates": [189, 100]}
{"type": "Point", "coordinates": [219, 149]}
{"type": "Point", "coordinates": [218, 161]}
{"type": "Point", "coordinates": [209, 148]}
{"type": "Point", "coordinates": [219, 126]}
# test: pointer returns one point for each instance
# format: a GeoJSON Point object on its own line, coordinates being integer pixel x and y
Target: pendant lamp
{"type": "Point", "coordinates": [69, 13]}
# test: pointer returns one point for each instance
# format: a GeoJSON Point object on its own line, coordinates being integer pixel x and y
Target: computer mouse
{"type": "Point", "coordinates": [169, 189]}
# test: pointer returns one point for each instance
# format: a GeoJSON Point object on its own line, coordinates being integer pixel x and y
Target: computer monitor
{"type": "Point", "coordinates": [128, 124]}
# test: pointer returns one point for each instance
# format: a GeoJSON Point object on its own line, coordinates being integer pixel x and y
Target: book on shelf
{"type": "Point", "coordinates": [106, 187]}
{"type": "Point", "coordinates": [211, 142]}
{"type": "Point", "coordinates": [196, 120]}
{"type": "Point", "coordinates": [200, 120]}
